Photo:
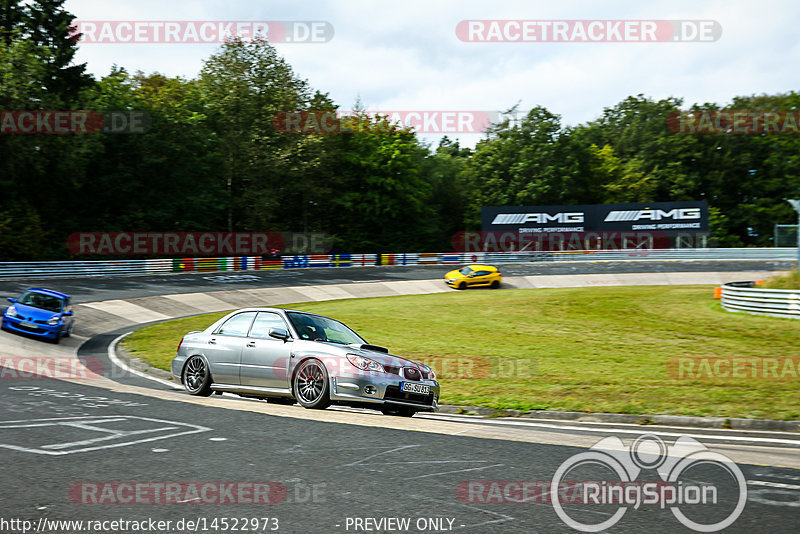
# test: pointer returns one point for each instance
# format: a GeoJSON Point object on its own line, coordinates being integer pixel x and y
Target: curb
{"type": "Point", "coordinates": [139, 365]}
{"type": "Point", "coordinates": [733, 423]}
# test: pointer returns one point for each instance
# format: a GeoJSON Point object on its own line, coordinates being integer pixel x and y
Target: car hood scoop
{"type": "Point", "coordinates": [376, 348]}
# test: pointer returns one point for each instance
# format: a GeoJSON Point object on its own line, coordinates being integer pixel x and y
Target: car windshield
{"type": "Point", "coordinates": [465, 271]}
{"type": "Point", "coordinates": [316, 328]}
{"type": "Point", "coordinates": [45, 302]}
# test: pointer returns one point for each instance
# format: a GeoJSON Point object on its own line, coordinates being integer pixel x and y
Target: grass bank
{"type": "Point", "coordinates": [784, 281]}
{"type": "Point", "coordinates": [581, 349]}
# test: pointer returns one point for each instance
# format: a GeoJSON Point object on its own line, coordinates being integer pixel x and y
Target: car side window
{"type": "Point", "coordinates": [482, 273]}
{"type": "Point", "coordinates": [238, 325]}
{"type": "Point", "coordinates": [264, 321]}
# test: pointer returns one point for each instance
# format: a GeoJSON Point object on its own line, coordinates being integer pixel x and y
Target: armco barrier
{"type": "Point", "coordinates": [9, 270]}
{"type": "Point", "coordinates": [737, 297]}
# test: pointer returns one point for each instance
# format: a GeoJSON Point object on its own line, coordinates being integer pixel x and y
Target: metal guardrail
{"type": "Point", "coordinates": [737, 297]}
{"type": "Point", "coordinates": [60, 269]}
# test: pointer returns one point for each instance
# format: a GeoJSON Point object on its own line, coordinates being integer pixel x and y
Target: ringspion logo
{"type": "Point", "coordinates": [696, 505]}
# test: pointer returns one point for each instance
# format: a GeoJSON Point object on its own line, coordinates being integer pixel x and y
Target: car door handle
{"type": "Point", "coordinates": [252, 344]}
{"type": "Point", "coordinates": [212, 342]}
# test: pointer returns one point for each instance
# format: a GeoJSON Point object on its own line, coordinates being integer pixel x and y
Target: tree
{"type": "Point", "coordinates": [243, 87]}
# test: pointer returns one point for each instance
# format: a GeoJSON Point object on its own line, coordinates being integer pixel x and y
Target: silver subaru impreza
{"type": "Point", "coordinates": [287, 356]}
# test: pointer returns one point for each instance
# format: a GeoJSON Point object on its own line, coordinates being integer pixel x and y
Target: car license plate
{"type": "Point", "coordinates": [27, 325]}
{"type": "Point", "coordinates": [411, 387]}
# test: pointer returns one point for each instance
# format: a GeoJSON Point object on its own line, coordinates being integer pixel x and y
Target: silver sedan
{"type": "Point", "coordinates": [287, 356]}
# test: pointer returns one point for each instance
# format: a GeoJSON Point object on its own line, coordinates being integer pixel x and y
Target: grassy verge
{"type": "Point", "coordinates": [593, 350]}
{"type": "Point", "coordinates": [787, 281]}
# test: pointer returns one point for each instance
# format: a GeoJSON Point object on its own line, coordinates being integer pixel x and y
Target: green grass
{"type": "Point", "coordinates": [787, 281]}
{"type": "Point", "coordinates": [581, 349]}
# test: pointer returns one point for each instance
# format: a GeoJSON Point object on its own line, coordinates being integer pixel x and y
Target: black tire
{"type": "Point", "coordinates": [68, 332]}
{"type": "Point", "coordinates": [310, 385]}
{"type": "Point", "coordinates": [197, 377]}
{"type": "Point", "coordinates": [398, 411]}
{"type": "Point", "coordinates": [57, 339]}
{"type": "Point", "coordinates": [461, 285]}
{"type": "Point", "coordinates": [495, 284]}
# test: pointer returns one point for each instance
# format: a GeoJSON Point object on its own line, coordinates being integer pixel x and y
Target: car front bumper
{"type": "Point", "coordinates": [379, 389]}
{"type": "Point", "coordinates": [41, 330]}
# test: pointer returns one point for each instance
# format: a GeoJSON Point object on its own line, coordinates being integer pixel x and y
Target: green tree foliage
{"type": "Point", "coordinates": [535, 162]}
{"type": "Point", "coordinates": [213, 158]}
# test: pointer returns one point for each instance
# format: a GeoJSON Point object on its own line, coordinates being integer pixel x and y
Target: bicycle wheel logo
{"type": "Point", "coordinates": [649, 453]}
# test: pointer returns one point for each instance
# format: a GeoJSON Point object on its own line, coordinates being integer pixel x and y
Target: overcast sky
{"type": "Point", "coordinates": [405, 55]}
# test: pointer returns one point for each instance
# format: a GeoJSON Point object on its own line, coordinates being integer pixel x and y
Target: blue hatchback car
{"type": "Point", "coordinates": [42, 313]}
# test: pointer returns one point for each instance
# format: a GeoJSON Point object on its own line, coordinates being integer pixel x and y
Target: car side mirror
{"type": "Point", "coordinates": [12, 301]}
{"type": "Point", "coordinates": [279, 333]}
{"type": "Point", "coordinates": [67, 313]}
{"type": "Point", "coordinates": [470, 275]}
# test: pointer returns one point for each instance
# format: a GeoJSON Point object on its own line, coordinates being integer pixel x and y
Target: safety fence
{"type": "Point", "coordinates": [746, 297]}
{"type": "Point", "coordinates": [10, 270]}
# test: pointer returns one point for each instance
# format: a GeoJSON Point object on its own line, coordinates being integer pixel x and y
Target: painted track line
{"type": "Point", "coordinates": [112, 348]}
{"type": "Point", "coordinates": [776, 441]}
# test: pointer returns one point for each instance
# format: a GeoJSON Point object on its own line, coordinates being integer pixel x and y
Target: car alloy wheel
{"type": "Point", "coordinates": [196, 378]}
{"type": "Point", "coordinates": [311, 385]}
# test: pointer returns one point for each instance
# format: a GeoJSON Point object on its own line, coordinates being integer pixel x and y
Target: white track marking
{"type": "Point", "coordinates": [772, 484]}
{"type": "Point", "coordinates": [119, 363]}
{"type": "Point", "coordinates": [644, 430]}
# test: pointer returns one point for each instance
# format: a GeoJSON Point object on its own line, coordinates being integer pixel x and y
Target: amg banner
{"type": "Point", "coordinates": [669, 217]}
{"type": "Point", "coordinates": [588, 227]}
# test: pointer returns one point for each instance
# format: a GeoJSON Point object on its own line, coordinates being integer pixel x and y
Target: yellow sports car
{"type": "Point", "coordinates": [474, 275]}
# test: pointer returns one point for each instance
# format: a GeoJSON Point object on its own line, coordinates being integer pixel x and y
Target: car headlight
{"type": "Point", "coordinates": [11, 312]}
{"type": "Point", "coordinates": [52, 321]}
{"type": "Point", "coordinates": [364, 363]}
{"type": "Point", "coordinates": [431, 373]}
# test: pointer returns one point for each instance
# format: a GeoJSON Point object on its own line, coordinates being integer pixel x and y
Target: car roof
{"type": "Point", "coordinates": [264, 308]}
{"type": "Point", "coordinates": [481, 267]}
{"type": "Point", "coordinates": [48, 292]}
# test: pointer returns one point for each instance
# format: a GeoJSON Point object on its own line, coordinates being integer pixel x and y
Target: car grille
{"type": "Point", "coordinates": [411, 373]}
{"type": "Point", "coordinates": [394, 393]}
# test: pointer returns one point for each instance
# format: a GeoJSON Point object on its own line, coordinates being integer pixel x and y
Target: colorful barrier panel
{"type": "Point", "coordinates": [12, 270]}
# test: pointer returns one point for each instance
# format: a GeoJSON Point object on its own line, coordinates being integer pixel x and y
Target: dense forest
{"type": "Point", "coordinates": [212, 158]}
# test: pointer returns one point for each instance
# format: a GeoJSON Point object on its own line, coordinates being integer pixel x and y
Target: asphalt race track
{"type": "Point", "coordinates": [122, 287]}
{"type": "Point", "coordinates": [329, 472]}
{"type": "Point", "coordinates": [132, 449]}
